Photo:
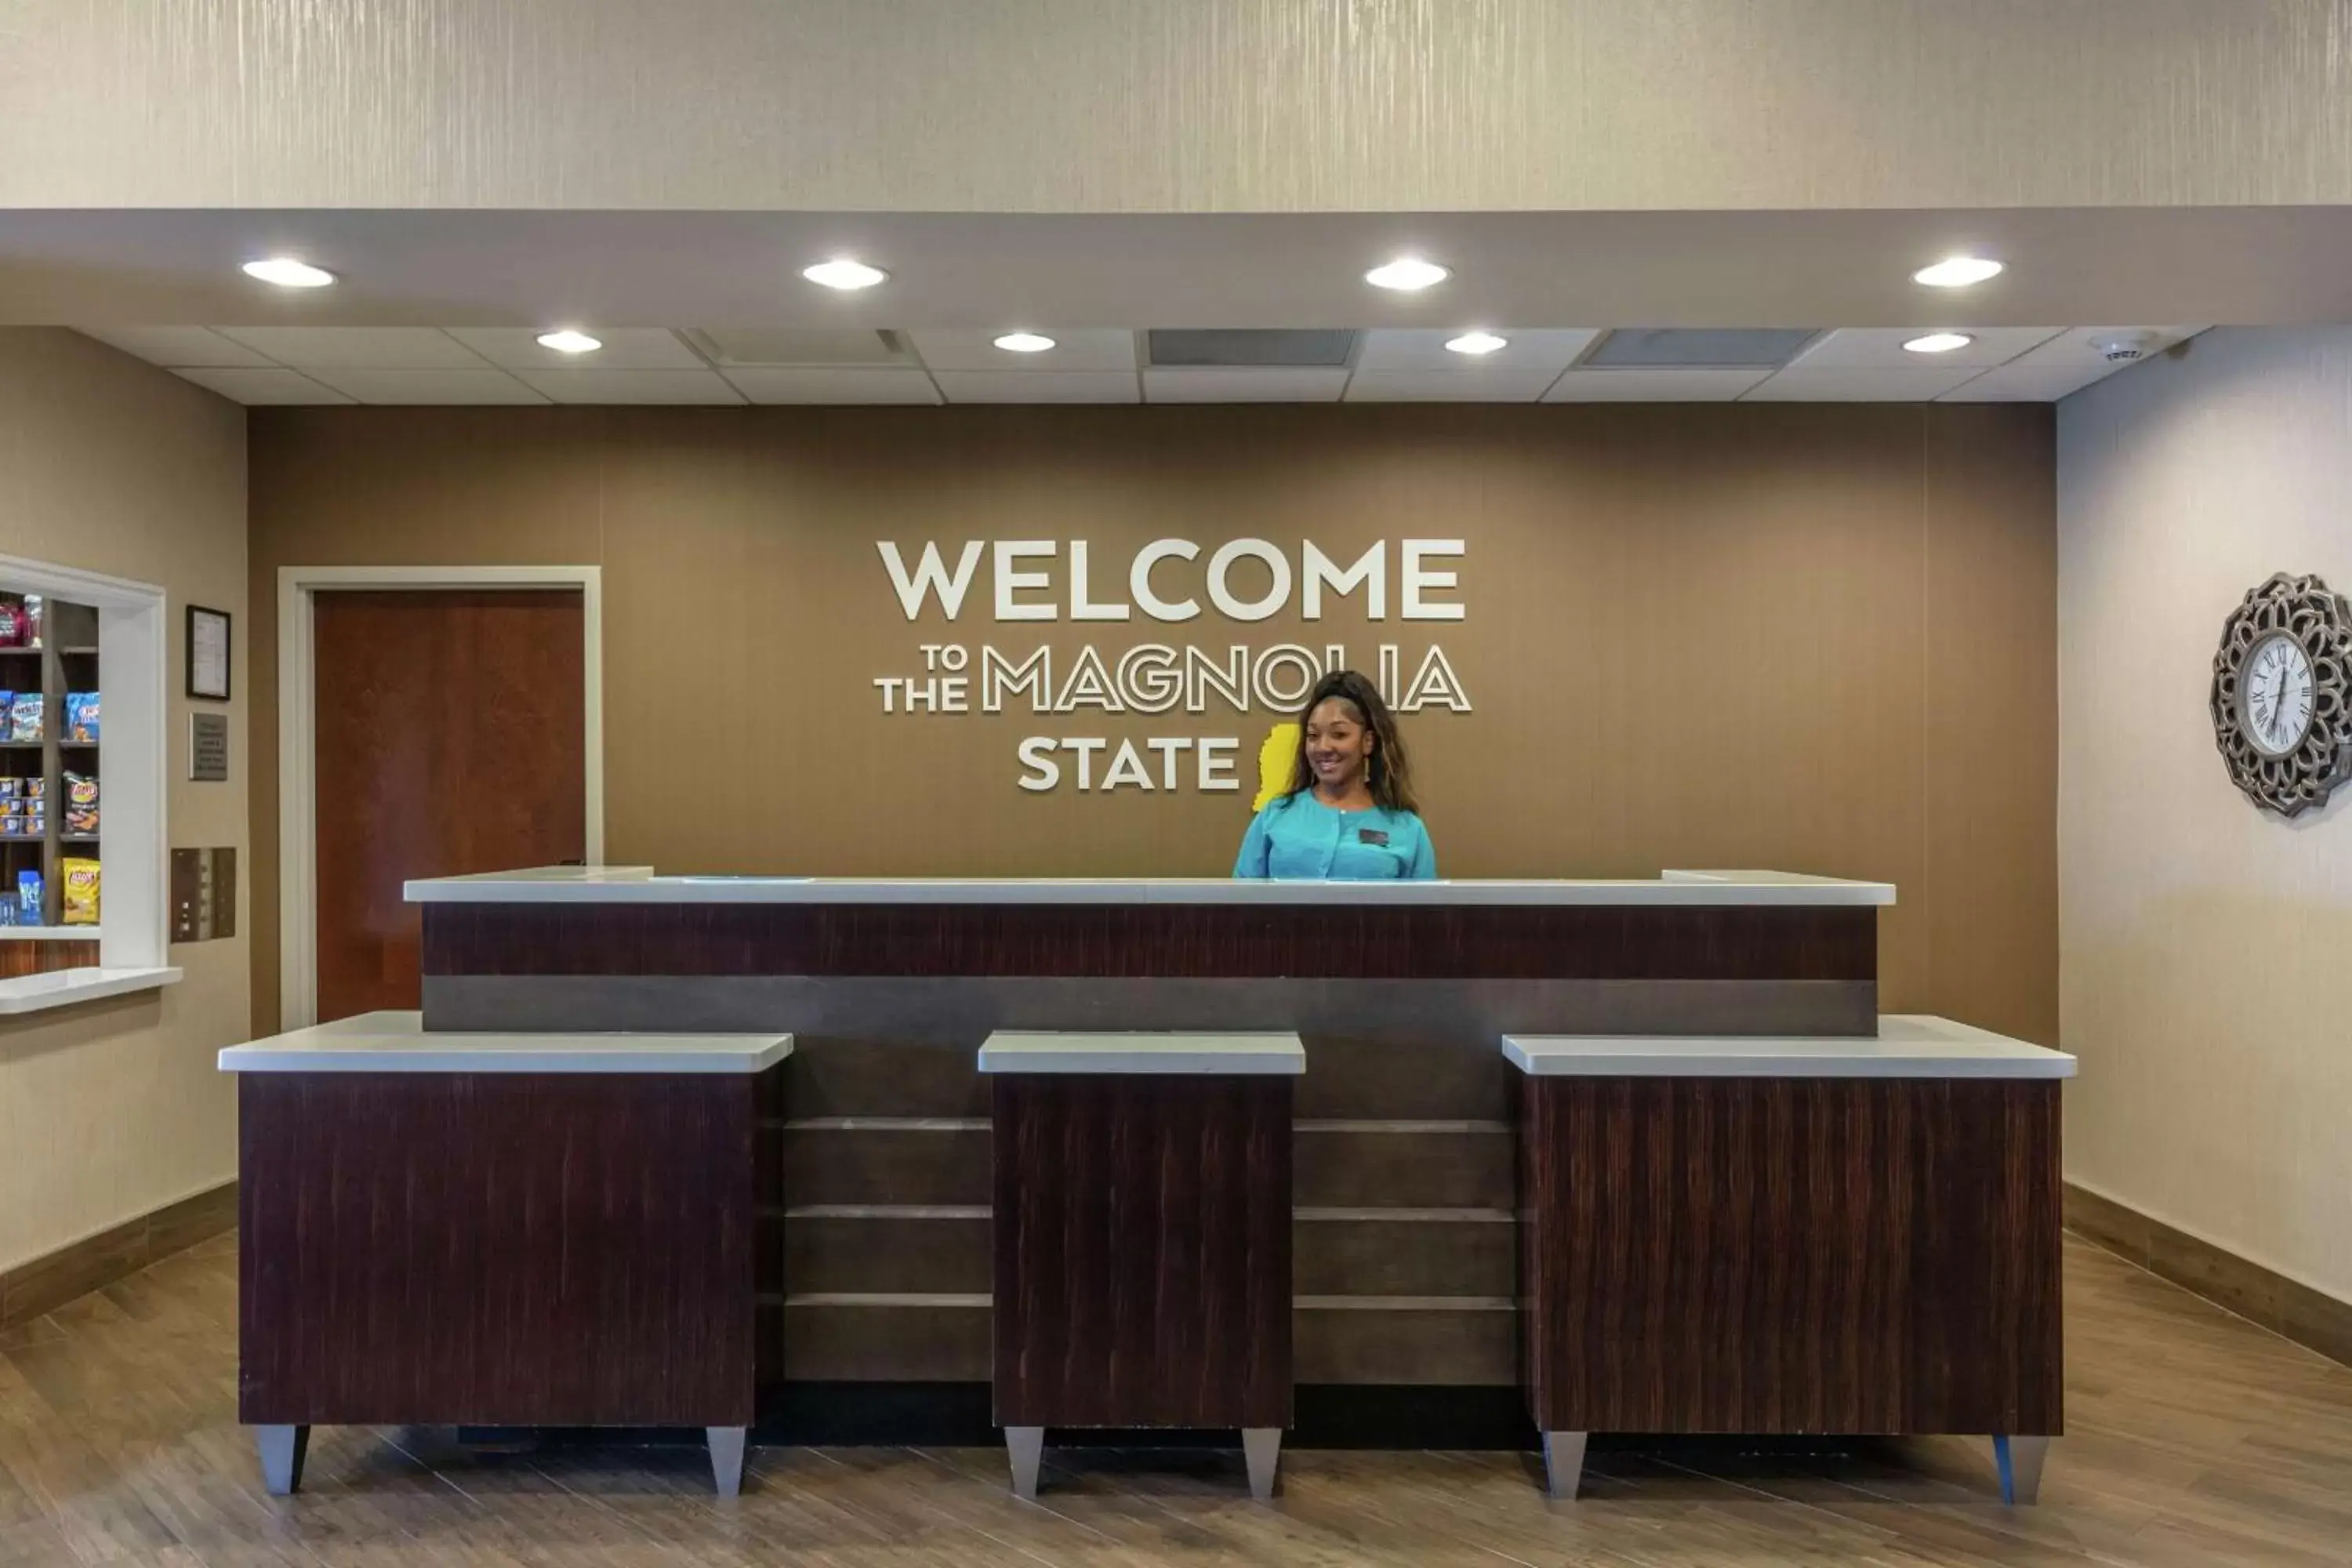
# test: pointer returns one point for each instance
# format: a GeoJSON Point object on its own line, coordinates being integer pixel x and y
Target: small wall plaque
{"type": "Point", "coordinates": [208, 748]}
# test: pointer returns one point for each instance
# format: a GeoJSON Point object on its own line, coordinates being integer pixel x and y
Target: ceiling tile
{"type": "Point", "coordinates": [1919, 383]}
{"type": "Point", "coordinates": [274, 384]}
{"type": "Point", "coordinates": [1699, 348]}
{"type": "Point", "coordinates": [1038, 385]}
{"type": "Point", "coordinates": [625, 348]}
{"type": "Point", "coordinates": [2027, 384]}
{"type": "Point", "coordinates": [359, 348]}
{"type": "Point", "coordinates": [1854, 348]}
{"type": "Point", "coordinates": [1652, 386]}
{"type": "Point", "coordinates": [480, 385]}
{"type": "Point", "coordinates": [177, 347]}
{"type": "Point", "coordinates": [2073, 347]}
{"type": "Point", "coordinates": [1088, 349]}
{"type": "Point", "coordinates": [781, 386]}
{"type": "Point", "coordinates": [1551, 348]}
{"type": "Point", "coordinates": [1275, 385]}
{"type": "Point", "coordinates": [1496, 384]}
{"type": "Point", "coordinates": [605, 385]}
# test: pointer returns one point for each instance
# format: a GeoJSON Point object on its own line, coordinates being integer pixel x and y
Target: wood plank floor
{"type": "Point", "coordinates": [2195, 1438]}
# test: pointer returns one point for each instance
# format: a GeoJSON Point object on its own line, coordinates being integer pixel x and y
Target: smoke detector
{"type": "Point", "coordinates": [2121, 348]}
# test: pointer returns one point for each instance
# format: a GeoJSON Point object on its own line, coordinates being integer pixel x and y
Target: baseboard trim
{"type": "Point", "coordinates": [2288, 1308]}
{"type": "Point", "coordinates": [94, 1262]}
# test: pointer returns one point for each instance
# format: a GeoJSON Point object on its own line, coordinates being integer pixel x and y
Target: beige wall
{"type": "Point", "coordinates": [2203, 944]}
{"type": "Point", "coordinates": [111, 1110]}
{"type": "Point", "coordinates": [1175, 105]}
{"type": "Point", "coordinates": [1815, 637]}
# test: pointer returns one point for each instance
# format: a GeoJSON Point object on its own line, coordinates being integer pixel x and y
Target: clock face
{"type": "Point", "coordinates": [2276, 692]}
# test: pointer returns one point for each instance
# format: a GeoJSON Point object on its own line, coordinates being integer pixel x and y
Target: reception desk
{"type": "Point", "coordinates": [875, 1160]}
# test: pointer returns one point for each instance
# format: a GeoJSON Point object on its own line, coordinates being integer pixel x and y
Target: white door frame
{"type": "Point", "coordinates": [297, 822]}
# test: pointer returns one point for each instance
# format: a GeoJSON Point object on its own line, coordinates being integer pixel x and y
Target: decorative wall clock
{"type": "Point", "coordinates": [2282, 709]}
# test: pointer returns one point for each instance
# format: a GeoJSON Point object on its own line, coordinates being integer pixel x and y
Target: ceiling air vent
{"type": "Point", "coordinates": [1699, 348]}
{"type": "Point", "coordinates": [736, 346]}
{"type": "Point", "coordinates": [1249, 347]}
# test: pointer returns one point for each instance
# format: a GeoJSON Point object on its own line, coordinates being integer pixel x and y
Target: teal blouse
{"type": "Point", "coordinates": [1299, 838]}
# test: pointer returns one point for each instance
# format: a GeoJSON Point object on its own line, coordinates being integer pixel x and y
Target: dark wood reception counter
{"type": "Point", "coordinates": [874, 1157]}
{"type": "Point", "coordinates": [1403, 1256]}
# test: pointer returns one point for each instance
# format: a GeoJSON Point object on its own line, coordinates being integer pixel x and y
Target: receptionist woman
{"type": "Point", "coordinates": [1350, 813]}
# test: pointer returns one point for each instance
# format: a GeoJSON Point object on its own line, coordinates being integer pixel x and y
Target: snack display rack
{"type": "Point", "coordinates": [64, 659]}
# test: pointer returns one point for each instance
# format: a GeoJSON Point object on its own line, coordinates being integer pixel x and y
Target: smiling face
{"type": "Point", "coordinates": [1337, 744]}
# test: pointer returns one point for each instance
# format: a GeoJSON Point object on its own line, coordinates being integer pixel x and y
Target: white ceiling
{"type": "Point", "coordinates": [338, 364]}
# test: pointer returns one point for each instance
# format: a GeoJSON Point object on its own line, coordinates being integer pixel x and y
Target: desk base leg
{"type": "Point", "coordinates": [1262, 1450]}
{"type": "Point", "coordinates": [283, 1449]}
{"type": "Point", "coordinates": [1026, 1448]}
{"type": "Point", "coordinates": [1563, 1463]}
{"type": "Point", "coordinates": [2020, 1459]}
{"type": "Point", "coordinates": [726, 1458]}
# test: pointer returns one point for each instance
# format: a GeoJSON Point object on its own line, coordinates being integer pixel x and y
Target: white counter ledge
{"type": "Point", "coordinates": [70, 987]}
{"type": "Point", "coordinates": [396, 1042]}
{"type": "Point", "coordinates": [1908, 1044]}
{"type": "Point", "coordinates": [1253, 1056]}
{"type": "Point", "coordinates": [638, 885]}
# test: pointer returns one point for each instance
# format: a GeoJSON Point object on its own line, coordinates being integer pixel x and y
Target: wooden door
{"type": "Point", "coordinates": [450, 737]}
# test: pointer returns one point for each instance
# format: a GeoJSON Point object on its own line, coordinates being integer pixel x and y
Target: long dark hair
{"type": "Point", "coordinates": [1386, 771]}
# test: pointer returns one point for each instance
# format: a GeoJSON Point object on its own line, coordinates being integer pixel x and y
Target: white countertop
{"type": "Point", "coordinates": [638, 885]}
{"type": "Point", "coordinates": [396, 1042]}
{"type": "Point", "coordinates": [1908, 1044]}
{"type": "Point", "coordinates": [50, 933]}
{"type": "Point", "coordinates": [68, 987]}
{"type": "Point", "coordinates": [1201, 1055]}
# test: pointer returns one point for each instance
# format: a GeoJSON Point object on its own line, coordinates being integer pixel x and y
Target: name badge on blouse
{"type": "Point", "coordinates": [1371, 836]}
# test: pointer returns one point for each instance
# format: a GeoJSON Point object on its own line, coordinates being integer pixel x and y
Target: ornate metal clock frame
{"type": "Point", "coordinates": [2320, 619]}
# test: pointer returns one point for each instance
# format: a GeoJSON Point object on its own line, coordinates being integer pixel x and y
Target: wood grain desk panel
{"type": "Point", "coordinates": [499, 1249]}
{"type": "Point", "coordinates": [1143, 1251]}
{"type": "Point", "coordinates": [1797, 1256]}
{"type": "Point", "coordinates": [1182, 941]}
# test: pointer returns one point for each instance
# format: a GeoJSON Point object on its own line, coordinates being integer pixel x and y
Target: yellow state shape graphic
{"type": "Point", "coordinates": [1275, 758]}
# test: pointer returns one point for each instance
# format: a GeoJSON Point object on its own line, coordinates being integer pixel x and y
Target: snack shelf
{"type": "Point", "coordinates": [62, 663]}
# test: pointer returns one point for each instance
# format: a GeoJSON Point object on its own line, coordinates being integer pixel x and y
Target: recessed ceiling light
{"type": "Point", "coordinates": [1939, 342]}
{"type": "Point", "coordinates": [1958, 272]}
{"type": "Point", "coordinates": [1407, 274]}
{"type": "Point", "coordinates": [288, 273]}
{"type": "Point", "coordinates": [845, 274]}
{"type": "Point", "coordinates": [568, 342]}
{"type": "Point", "coordinates": [1476, 343]}
{"type": "Point", "coordinates": [1024, 343]}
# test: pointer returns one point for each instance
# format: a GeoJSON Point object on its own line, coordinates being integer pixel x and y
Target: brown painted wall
{"type": "Point", "coordinates": [1814, 638]}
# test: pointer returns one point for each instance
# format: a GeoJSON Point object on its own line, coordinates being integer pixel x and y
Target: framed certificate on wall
{"type": "Point", "coordinates": [208, 653]}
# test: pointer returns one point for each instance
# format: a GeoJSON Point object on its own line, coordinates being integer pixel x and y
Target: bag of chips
{"type": "Point", "coordinates": [25, 714]}
{"type": "Point", "coordinates": [82, 892]}
{"type": "Point", "coordinates": [81, 789]}
{"type": "Point", "coordinates": [81, 715]}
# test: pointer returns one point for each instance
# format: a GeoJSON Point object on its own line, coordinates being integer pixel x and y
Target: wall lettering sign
{"type": "Point", "coordinates": [1216, 676]}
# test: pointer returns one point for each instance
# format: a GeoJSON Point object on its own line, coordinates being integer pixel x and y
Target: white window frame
{"type": "Point", "coordinates": [134, 660]}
